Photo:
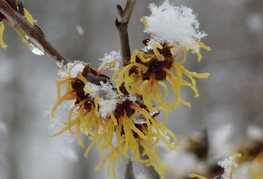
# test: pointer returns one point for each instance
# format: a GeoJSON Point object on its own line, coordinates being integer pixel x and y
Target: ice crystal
{"type": "Point", "coordinates": [177, 25]}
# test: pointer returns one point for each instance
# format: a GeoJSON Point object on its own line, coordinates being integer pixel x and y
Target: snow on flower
{"type": "Point", "coordinates": [229, 165]}
{"type": "Point", "coordinates": [176, 25]}
{"type": "Point", "coordinates": [111, 61]}
{"type": "Point", "coordinates": [108, 119]}
{"type": "Point", "coordinates": [70, 70]}
{"type": "Point", "coordinates": [156, 71]}
{"type": "Point", "coordinates": [107, 97]}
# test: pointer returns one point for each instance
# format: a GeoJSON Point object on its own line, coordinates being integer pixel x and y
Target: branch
{"type": "Point", "coordinates": [20, 23]}
{"type": "Point", "coordinates": [150, 172]}
{"type": "Point", "coordinates": [122, 20]}
{"type": "Point", "coordinates": [129, 174]}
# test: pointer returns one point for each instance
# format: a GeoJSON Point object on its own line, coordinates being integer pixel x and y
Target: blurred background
{"type": "Point", "coordinates": [85, 30]}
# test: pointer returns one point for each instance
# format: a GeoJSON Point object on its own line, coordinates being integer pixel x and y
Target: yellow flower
{"type": "Point", "coordinates": [2, 28]}
{"type": "Point", "coordinates": [155, 70]}
{"type": "Point", "coordinates": [256, 168]}
{"type": "Point", "coordinates": [127, 130]}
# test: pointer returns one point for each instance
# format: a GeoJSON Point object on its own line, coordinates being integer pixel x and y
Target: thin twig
{"type": "Point", "coordinates": [129, 173]}
{"type": "Point", "coordinates": [20, 23]}
{"type": "Point", "coordinates": [149, 171]}
{"type": "Point", "coordinates": [122, 20]}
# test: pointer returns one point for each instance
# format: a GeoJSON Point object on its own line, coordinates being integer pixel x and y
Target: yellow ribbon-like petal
{"type": "Point", "coordinates": [2, 28]}
{"type": "Point", "coordinates": [29, 17]}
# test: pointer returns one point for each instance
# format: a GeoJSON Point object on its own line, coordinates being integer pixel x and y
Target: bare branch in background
{"type": "Point", "coordinates": [122, 20]}
{"type": "Point", "coordinates": [149, 171]}
{"type": "Point", "coordinates": [20, 23]}
{"type": "Point", "coordinates": [129, 174]}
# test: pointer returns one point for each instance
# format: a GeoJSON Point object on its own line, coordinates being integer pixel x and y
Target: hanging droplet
{"type": "Point", "coordinates": [140, 119]}
{"type": "Point", "coordinates": [36, 48]}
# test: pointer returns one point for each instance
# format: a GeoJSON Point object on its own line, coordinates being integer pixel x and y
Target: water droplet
{"type": "Point", "coordinates": [36, 47]}
{"type": "Point", "coordinates": [140, 119]}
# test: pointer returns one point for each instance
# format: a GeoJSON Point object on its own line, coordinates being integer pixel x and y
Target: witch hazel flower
{"type": "Point", "coordinates": [153, 73]}
{"type": "Point", "coordinates": [156, 70]}
{"type": "Point", "coordinates": [111, 61]}
{"type": "Point", "coordinates": [110, 119]}
{"type": "Point", "coordinates": [229, 165]}
{"type": "Point", "coordinates": [120, 116]}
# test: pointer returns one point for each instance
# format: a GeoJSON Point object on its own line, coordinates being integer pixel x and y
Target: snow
{"type": "Point", "coordinates": [112, 60]}
{"type": "Point", "coordinates": [62, 70]}
{"type": "Point", "coordinates": [74, 67]}
{"type": "Point", "coordinates": [80, 30]}
{"type": "Point", "coordinates": [59, 64]}
{"type": "Point", "coordinates": [227, 165]}
{"type": "Point", "coordinates": [77, 68]}
{"type": "Point", "coordinates": [107, 97]}
{"type": "Point", "coordinates": [174, 24]}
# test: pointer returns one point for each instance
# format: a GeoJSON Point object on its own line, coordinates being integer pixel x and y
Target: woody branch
{"type": "Point", "coordinates": [20, 23]}
{"type": "Point", "coordinates": [122, 21]}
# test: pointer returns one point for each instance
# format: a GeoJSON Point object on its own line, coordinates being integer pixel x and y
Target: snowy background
{"type": "Point", "coordinates": [232, 95]}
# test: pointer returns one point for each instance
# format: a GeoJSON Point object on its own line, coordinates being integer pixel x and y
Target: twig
{"type": "Point", "coordinates": [149, 170]}
{"type": "Point", "coordinates": [129, 174]}
{"type": "Point", "coordinates": [122, 20]}
{"type": "Point", "coordinates": [20, 23]}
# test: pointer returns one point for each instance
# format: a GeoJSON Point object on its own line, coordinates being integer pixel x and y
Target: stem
{"type": "Point", "coordinates": [149, 170]}
{"type": "Point", "coordinates": [122, 20]}
{"type": "Point", "coordinates": [20, 23]}
{"type": "Point", "coordinates": [129, 174]}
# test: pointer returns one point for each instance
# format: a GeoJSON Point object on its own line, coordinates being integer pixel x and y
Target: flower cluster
{"type": "Point", "coordinates": [119, 116]}
{"type": "Point", "coordinates": [103, 114]}
{"type": "Point", "coordinates": [152, 68]}
{"type": "Point", "coordinates": [158, 64]}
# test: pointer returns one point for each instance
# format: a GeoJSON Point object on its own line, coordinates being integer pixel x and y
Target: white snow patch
{"type": "Point", "coordinates": [77, 68]}
{"type": "Point", "coordinates": [151, 43]}
{"type": "Point", "coordinates": [107, 97]}
{"type": "Point", "coordinates": [111, 60]}
{"type": "Point", "coordinates": [174, 24]}
{"type": "Point", "coordinates": [62, 70]}
{"type": "Point", "coordinates": [227, 164]}
{"type": "Point", "coordinates": [74, 67]}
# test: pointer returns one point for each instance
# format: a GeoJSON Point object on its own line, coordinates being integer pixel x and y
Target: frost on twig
{"type": "Point", "coordinates": [122, 20]}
